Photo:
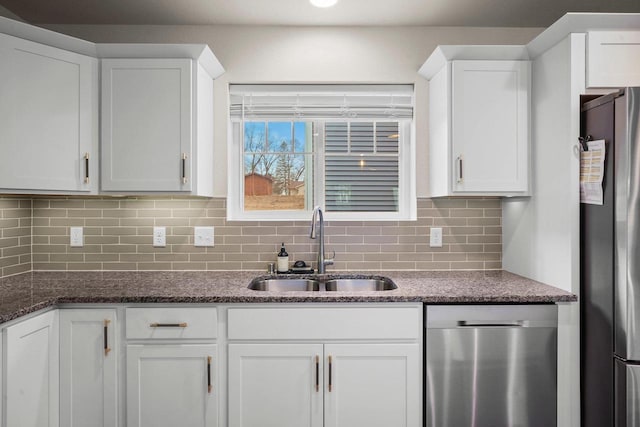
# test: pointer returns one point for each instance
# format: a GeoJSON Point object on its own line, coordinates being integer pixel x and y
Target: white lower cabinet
{"type": "Point", "coordinates": [280, 365]}
{"type": "Point", "coordinates": [31, 376]}
{"type": "Point", "coordinates": [171, 385]}
{"type": "Point", "coordinates": [172, 360]}
{"type": "Point", "coordinates": [351, 374]}
{"type": "Point", "coordinates": [373, 385]}
{"type": "Point", "coordinates": [276, 385]}
{"type": "Point", "coordinates": [88, 367]}
{"type": "Point", "coordinates": [338, 385]}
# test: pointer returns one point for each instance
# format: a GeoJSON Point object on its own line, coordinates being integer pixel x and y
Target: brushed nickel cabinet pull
{"type": "Point", "coordinates": [209, 386]}
{"type": "Point", "coordinates": [105, 332]}
{"type": "Point", "coordinates": [86, 168]}
{"type": "Point", "coordinates": [168, 325]}
{"type": "Point", "coordinates": [330, 373]}
{"type": "Point", "coordinates": [184, 168]}
{"type": "Point", "coordinates": [460, 168]}
{"type": "Point", "coordinates": [317, 373]}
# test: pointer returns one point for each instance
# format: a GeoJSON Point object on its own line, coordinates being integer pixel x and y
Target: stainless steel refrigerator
{"type": "Point", "coordinates": [610, 268]}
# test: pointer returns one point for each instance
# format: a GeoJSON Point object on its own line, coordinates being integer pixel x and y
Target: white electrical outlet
{"type": "Point", "coordinates": [76, 238]}
{"type": "Point", "coordinates": [159, 237]}
{"type": "Point", "coordinates": [203, 236]}
{"type": "Point", "coordinates": [435, 237]}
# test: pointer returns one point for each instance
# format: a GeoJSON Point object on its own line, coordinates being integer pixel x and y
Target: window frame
{"type": "Point", "coordinates": [407, 201]}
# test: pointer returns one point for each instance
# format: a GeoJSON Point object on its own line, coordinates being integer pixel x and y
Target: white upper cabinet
{"type": "Point", "coordinates": [478, 121]}
{"type": "Point", "coordinates": [48, 119]}
{"type": "Point", "coordinates": [146, 124]}
{"type": "Point", "coordinates": [155, 117]}
{"type": "Point", "coordinates": [613, 58]}
{"type": "Point", "coordinates": [157, 126]}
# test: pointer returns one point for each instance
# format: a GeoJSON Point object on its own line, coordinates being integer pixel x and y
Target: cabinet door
{"type": "Point", "coordinates": [146, 124]}
{"type": "Point", "coordinates": [168, 386]}
{"type": "Point", "coordinates": [373, 385]}
{"type": "Point", "coordinates": [612, 58]}
{"type": "Point", "coordinates": [275, 385]}
{"type": "Point", "coordinates": [47, 106]}
{"type": "Point", "coordinates": [490, 126]}
{"type": "Point", "coordinates": [88, 368]}
{"type": "Point", "coordinates": [32, 372]}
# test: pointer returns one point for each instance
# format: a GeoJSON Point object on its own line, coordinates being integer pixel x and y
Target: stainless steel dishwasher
{"type": "Point", "coordinates": [491, 366]}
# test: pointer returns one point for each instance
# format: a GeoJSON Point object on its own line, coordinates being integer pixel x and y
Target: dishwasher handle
{"type": "Point", "coordinates": [490, 323]}
{"type": "Point", "coordinates": [490, 316]}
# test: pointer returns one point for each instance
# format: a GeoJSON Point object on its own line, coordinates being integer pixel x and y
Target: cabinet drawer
{"type": "Point", "coordinates": [320, 323]}
{"type": "Point", "coordinates": [171, 323]}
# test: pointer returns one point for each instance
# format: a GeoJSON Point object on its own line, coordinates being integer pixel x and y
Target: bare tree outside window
{"type": "Point", "coordinates": [276, 155]}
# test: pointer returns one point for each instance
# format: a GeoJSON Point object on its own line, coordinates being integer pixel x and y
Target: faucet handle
{"type": "Point", "coordinates": [329, 261]}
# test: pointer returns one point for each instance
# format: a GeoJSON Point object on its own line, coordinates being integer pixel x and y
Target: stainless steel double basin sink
{"type": "Point", "coordinates": [331, 283]}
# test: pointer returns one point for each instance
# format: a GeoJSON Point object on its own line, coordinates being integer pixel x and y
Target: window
{"type": "Point", "coordinates": [278, 165]}
{"type": "Point", "coordinates": [348, 149]}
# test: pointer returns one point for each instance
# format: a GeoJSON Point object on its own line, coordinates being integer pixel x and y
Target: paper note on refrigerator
{"type": "Point", "coordinates": [592, 173]}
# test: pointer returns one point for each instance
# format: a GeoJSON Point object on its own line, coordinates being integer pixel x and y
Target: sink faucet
{"type": "Point", "coordinates": [317, 219]}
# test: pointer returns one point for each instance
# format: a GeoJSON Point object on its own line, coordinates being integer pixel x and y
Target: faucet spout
{"type": "Point", "coordinates": [317, 232]}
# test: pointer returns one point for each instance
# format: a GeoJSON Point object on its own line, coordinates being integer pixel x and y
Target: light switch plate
{"type": "Point", "coordinates": [435, 237]}
{"type": "Point", "coordinates": [159, 237]}
{"type": "Point", "coordinates": [76, 238]}
{"type": "Point", "coordinates": [203, 236]}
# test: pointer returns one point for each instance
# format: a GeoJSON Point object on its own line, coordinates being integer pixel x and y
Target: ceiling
{"type": "Point", "coordinates": [481, 13]}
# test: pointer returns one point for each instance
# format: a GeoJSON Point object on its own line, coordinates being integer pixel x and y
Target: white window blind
{"type": "Point", "coordinates": [309, 102]}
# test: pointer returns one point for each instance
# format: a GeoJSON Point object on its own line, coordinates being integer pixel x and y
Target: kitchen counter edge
{"type": "Point", "coordinates": [29, 292]}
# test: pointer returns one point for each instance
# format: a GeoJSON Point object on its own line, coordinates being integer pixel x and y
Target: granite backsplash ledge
{"type": "Point", "coordinates": [118, 236]}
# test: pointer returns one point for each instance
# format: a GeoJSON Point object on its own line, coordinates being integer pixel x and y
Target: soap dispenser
{"type": "Point", "coordinates": [283, 260]}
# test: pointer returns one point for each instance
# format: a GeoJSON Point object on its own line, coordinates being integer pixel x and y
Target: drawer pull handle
{"type": "Point", "coordinates": [330, 373]}
{"type": "Point", "coordinates": [317, 373]}
{"type": "Point", "coordinates": [184, 168]}
{"type": "Point", "coordinates": [86, 168]}
{"type": "Point", "coordinates": [105, 332]}
{"type": "Point", "coordinates": [209, 386]}
{"type": "Point", "coordinates": [168, 325]}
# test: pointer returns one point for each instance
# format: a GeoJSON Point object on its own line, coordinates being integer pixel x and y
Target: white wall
{"type": "Point", "coordinates": [256, 54]}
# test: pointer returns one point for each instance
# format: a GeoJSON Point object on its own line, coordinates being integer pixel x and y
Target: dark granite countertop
{"type": "Point", "coordinates": [29, 292]}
